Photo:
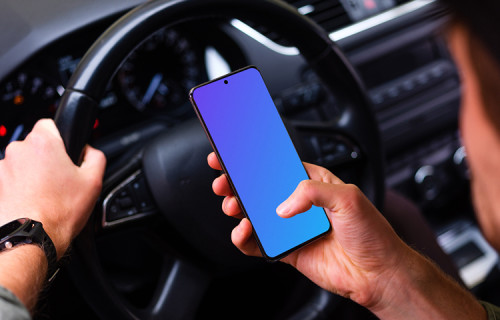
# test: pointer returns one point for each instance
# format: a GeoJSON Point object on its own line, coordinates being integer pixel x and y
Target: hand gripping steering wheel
{"type": "Point", "coordinates": [173, 167]}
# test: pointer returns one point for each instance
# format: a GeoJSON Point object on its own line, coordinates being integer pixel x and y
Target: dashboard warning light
{"type": "Point", "coordinates": [3, 131]}
{"type": "Point", "coordinates": [18, 100]}
{"type": "Point", "coordinates": [370, 4]}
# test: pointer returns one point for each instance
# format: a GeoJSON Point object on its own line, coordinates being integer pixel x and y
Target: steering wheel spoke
{"type": "Point", "coordinates": [131, 200]}
{"type": "Point", "coordinates": [179, 292]}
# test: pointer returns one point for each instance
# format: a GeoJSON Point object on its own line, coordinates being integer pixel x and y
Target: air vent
{"type": "Point", "coordinates": [330, 14]}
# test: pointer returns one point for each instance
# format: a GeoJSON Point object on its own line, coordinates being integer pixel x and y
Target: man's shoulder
{"type": "Point", "coordinates": [492, 310]}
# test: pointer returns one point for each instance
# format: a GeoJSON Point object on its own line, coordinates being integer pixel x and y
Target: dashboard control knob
{"type": "Point", "coordinates": [460, 163]}
{"type": "Point", "coordinates": [428, 183]}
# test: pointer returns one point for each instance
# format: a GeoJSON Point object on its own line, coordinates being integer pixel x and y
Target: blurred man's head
{"type": "Point", "coordinates": [476, 48]}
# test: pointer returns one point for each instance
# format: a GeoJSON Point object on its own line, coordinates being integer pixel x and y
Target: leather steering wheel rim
{"type": "Point", "coordinates": [79, 104]}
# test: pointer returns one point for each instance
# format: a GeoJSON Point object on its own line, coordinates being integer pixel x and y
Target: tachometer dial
{"type": "Point", "coordinates": [160, 72]}
{"type": "Point", "coordinates": [24, 99]}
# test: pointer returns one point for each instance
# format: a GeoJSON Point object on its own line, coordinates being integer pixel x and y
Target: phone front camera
{"type": "Point", "coordinates": [225, 82]}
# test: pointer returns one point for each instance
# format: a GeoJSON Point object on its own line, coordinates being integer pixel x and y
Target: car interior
{"type": "Point", "coordinates": [366, 88]}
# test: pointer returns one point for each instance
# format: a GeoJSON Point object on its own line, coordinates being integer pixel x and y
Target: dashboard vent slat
{"type": "Point", "coordinates": [329, 14]}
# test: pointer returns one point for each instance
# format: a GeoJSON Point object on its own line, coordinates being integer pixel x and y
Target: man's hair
{"type": "Point", "coordinates": [482, 19]}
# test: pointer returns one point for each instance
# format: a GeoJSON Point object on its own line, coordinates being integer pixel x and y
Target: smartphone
{"type": "Point", "coordinates": [258, 157]}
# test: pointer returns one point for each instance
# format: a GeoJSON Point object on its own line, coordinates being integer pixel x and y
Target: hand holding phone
{"type": "Point", "coordinates": [258, 156]}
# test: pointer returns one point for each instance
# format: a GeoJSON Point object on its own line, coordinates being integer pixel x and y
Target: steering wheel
{"type": "Point", "coordinates": [169, 177]}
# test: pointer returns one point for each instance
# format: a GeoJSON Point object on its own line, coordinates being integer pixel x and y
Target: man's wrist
{"type": "Point", "coordinates": [60, 237]}
{"type": "Point", "coordinates": [60, 242]}
{"type": "Point", "coordinates": [420, 290]}
{"type": "Point", "coordinates": [397, 291]}
{"type": "Point", "coordinates": [24, 272]}
{"type": "Point", "coordinates": [27, 231]}
{"type": "Point", "coordinates": [57, 233]}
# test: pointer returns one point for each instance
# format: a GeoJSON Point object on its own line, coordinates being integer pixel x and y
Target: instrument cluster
{"type": "Point", "coordinates": [153, 82]}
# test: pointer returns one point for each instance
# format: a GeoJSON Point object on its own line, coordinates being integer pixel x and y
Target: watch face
{"type": "Point", "coordinates": [11, 227]}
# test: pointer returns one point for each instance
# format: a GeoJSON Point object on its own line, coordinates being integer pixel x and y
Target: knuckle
{"type": "Point", "coordinates": [39, 139]}
{"type": "Point", "coordinates": [325, 174]}
{"type": "Point", "coordinates": [308, 188]}
{"type": "Point", "coordinates": [45, 125]}
{"type": "Point", "coordinates": [353, 194]}
{"type": "Point", "coordinates": [101, 157]}
{"type": "Point", "coordinates": [12, 148]}
{"type": "Point", "coordinates": [42, 123]}
{"type": "Point", "coordinates": [44, 134]}
{"type": "Point", "coordinates": [95, 182]}
{"type": "Point", "coordinates": [305, 186]}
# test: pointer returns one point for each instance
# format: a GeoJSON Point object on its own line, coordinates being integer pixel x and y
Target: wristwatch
{"type": "Point", "coordinates": [27, 231]}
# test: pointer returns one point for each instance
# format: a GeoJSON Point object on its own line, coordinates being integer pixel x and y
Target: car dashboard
{"type": "Point", "coordinates": [397, 46]}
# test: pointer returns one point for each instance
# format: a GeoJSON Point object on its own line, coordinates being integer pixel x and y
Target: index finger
{"type": "Point", "coordinates": [213, 161]}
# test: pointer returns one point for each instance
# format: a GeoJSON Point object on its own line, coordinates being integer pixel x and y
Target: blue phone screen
{"type": "Point", "coordinates": [259, 157]}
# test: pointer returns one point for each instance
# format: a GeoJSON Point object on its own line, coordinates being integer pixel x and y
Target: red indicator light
{"type": "Point", "coordinates": [370, 4]}
{"type": "Point", "coordinates": [96, 123]}
{"type": "Point", "coordinates": [3, 131]}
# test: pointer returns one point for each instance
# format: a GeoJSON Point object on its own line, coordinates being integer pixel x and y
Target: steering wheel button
{"type": "Point", "coordinates": [142, 196]}
{"type": "Point", "coordinates": [114, 213]}
{"type": "Point", "coordinates": [125, 202]}
{"type": "Point", "coordinates": [131, 212]}
{"type": "Point", "coordinates": [113, 209]}
{"type": "Point", "coordinates": [124, 193]}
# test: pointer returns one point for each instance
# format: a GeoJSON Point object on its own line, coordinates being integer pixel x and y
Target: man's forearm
{"type": "Point", "coordinates": [24, 270]}
{"type": "Point", "coordinates": [422, 291]}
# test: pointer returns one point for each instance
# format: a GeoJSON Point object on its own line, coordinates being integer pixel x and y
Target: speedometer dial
{"type": "Point", "coordinates": [160, 72]}
{"type": "Point", "coordinates": [24, 99]}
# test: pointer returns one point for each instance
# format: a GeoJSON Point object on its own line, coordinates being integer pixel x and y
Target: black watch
{"type": "Point", "coordinates": [27, 231]}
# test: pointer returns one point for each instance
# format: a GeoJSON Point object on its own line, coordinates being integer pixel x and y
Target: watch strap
{"type": "Point", "coordinates": [41, 238]}
{"type": "Point", "coordinates": [29, 231]}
